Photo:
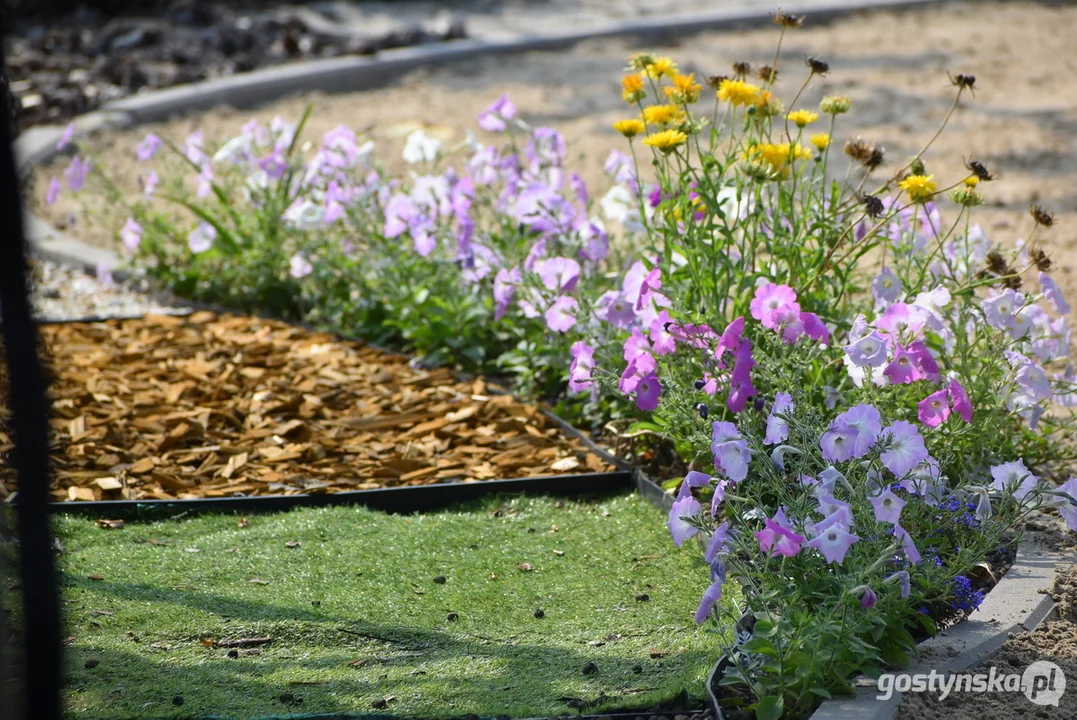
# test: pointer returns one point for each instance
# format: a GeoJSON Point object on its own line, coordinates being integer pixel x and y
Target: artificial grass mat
{"type": "Point", "coordinates": [416, 616]}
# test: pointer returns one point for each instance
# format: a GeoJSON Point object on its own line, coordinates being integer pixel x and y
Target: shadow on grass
{"type": "Point", "coordinates": [355, 673]}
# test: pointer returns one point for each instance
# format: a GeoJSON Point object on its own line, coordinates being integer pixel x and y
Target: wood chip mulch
{"type": "Point", "coordinates": [165, 408]}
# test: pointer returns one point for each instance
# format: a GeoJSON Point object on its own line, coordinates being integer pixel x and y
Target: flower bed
{"type": "Point", "coordinates": [895, 407]}
{"type": "Point", "coordinates": [213, 406]}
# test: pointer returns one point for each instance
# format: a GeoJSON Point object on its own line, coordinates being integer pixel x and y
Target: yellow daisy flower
{"type": "Point", "coordinates": [662, 114]}
{"type": "Point", "coordinates": [662, 67]}
{"type": "Point", "coordinates": [666, 140]}
{"type": "Point", "coordinates": [920, 188]}
{"type": "Point", "coordinates": [632, 90]}
{"type": "Point", "coordinates": [821, 141]}
{"type": "Point", "coordinates": [738, 92]}
{"type": "Point", "coordinates": [629, 128]}
{"type": "Point", "coordinates": [800, 118]}
{"type": "Point", "coordinates": [684, 90]}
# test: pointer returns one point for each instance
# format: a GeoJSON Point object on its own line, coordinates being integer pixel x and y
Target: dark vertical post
{"type": "Point", "coordinates": [41, 606]}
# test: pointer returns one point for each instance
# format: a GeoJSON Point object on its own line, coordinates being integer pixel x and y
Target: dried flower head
{"type": "Point", "coordinates": [786, 20]}
{"type": "Point", "coordinates": [858, 149]}
{"type": "Point", "coordinates": [1041, 216]}
{"type": "Point", "coordinates": [817, 65]}
{"type": "Point", "coordinates": [767, 74]}
{"type": "Point", "coordinates": [1039, 259]}
{"type": "Point", "coordinates": [873, 205]}
{"type": "Point", "coordinates": [741, 69]}
{"type": "Point", "coordinates": [979, 170]}
{"type": "Point", "coordinates": [997, 264]}
{"type": "Point", "coordinates": [1013, 282]}
{"type": "Point", "coordinates": [715, 81]}
{"type": "Point", "coordinates": [965, 82]}
{"type": "Point", "coordinates": [876, 158]}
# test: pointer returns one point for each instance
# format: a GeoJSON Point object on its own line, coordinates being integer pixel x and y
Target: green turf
{"type": "Point", "coordinates": [357, 618]}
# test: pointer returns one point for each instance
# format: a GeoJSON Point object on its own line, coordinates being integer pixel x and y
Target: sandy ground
{"type": "Point", "coordinates": [1021, 121]}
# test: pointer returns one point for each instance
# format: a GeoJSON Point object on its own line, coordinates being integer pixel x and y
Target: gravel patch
{"type": "Point", "coordinates": [61, 294]}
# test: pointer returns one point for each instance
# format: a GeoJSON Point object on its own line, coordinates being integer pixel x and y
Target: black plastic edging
{"type": "Point", "coordinates": [394, 499]}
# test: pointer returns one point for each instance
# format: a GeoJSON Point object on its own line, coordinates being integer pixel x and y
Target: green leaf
{"type": "Point", "coordinates": [820, 691]}
{"type": "Point", "coordinates": [759, 645]}
{"type": "Point", "coordinates": [770, 708]}
{"type": "Point", "coordinates": [765, 628]}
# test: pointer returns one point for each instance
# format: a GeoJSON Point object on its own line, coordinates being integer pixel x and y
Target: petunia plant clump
{"type": "Point", "coordinates": [482, 257]}
{"type": "Point", "coordinates": [869, 397]}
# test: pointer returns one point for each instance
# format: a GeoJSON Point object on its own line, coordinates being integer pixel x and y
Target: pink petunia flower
{"type": "Point", "coordinates": [583, 362]}
{"type": "Point", "coordinates": [560, 317]}
{"type": "Point", "coordinates": [770, 301]}
{"type": "Point", "coordinates": [934, 409]}
{"type": "Point", "coordinates": [131, 235]}
{"type": "Point", "coordinates": [648, 392]}
{"type": "Point", "coordinates": [960, 401]}
{"type": "Point", "coordinates": [775, 540]}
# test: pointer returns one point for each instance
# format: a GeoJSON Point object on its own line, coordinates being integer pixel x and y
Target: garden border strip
{"type": "Point", "coordinates": [38, 144]}
{"type": "Point", "coordinates": [392, 499]}
{"type": "Point", "coordinates": [1020, 601]}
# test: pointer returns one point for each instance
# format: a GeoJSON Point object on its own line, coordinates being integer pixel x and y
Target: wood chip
{"type": "Point", "coordinates": [165, 408]}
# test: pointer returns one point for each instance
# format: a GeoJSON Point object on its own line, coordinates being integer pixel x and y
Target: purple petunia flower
{"type": "Point", "coordinates": [960, 401]}
{"type": "Point", "coordinates": [583, 362]}
{"type": "Point", "coordinates": [663, 341]}
{"type": "Point", "coordinates": [1001, 308]}
{"type": "Point", "coordinates": [201, 238]}
{"type": "Point", "coordinates": [887, 506]}
{"type": "Point", "coordinates": [837, 444]}
{"type": "Point", "coordinates": [648, 391]}
{"type": "Point", "coordinates": [558, 273]}
{"type": "Point", "coordinates": [680, 528]}
{"type": "Point", "coordinates": [560, 317]}
{"type": "Point", "coordinates": [76, 173]}
{"type": "Point", "coordinates": [1014, 476]}
{"type": "Point", "coordinates": [901, 577]}
{"type": "Point", "coordinates": [730, 450]}
{"type": "Point", "coordinates": [104, 275]}
{"type": "Point", "coordinates": [902, 322]}
{"type": "Point", "coordinates": [906, 449]}
{"type": "Point", "coordinates": [776, 540]}
{"type": "Point", "coordinates": [53, 192]}
{"type": "Point", "coordinates": [740, 385]}
{"type": "Point", "coordinates": [778, 428]}
{"type": "Point", "coordinates": [65, 136]}
{"type": "Point", "coordinates": [868, 598]}
{"type": "Point", "coordinates": [934, 409]}
{"type": "Point", "coordinates": [616, 309]}
{"type": "Point", "coordinates": [149, 184]}
{"type": "Point", "coordinates": [274, 165]}
{"type": "Point", "coordinates": [886, 287]}
{"type": "Point", "coordinates": [904, 368]}
{"type": "Point", "coordinates": [651, 282]}
{"type": "Point", "coordinates": [868, 351]}
{"type": "Point", "coordinates": [148, 147]}
{"type": "Point", "coordinates": [730, 339]}
{"type": "Point", "coordinates": [833, 543]}
{"type": "Point", "coordinates": [299, 266]}
{"type": "Point", "coordinates": [505, 283]}
{"type": "Point", "coordinates": [711, 596]}
{"type": "Point", "coordinates": [1068, 511]}
{"type": "Point", "coordinates": [907, 544]}
{"type": "Point", "coordinates": [717, 542]}
{"type": "Point", "coordinates": [131, 235]}
{"type": "Point", "coordinates": [1053, 293]}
